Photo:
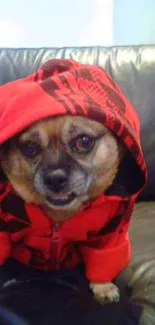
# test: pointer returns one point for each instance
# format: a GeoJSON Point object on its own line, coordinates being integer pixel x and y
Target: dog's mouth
{"type": "Point", "coordinates": [60, 199]}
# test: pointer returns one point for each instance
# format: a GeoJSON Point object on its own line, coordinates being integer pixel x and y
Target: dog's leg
{"type": "Point", "coordinates": [105, 292]}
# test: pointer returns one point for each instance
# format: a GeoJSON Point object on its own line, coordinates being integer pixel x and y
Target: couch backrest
{"type": "Point", "coordinates": [133, 68]}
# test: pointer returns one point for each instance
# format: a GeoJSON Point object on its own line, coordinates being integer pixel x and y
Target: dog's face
{"type": "Point", "coordinates": [62, 162]}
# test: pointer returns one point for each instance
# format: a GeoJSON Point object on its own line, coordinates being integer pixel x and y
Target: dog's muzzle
{"type": "Point", "coordinates": [56, 181]}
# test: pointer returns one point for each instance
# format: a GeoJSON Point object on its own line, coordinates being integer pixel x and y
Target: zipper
{"type": "Point", "coordinates": [55, 234]}
{"type": "Point", "coordinates": [55, 242]}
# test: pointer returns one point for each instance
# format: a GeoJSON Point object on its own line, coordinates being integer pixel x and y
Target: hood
{"type": "Point", "coordinates": [63, 86]}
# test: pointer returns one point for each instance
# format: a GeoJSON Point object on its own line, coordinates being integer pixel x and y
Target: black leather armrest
{"type": "Point", "coordinates": [142, 288]}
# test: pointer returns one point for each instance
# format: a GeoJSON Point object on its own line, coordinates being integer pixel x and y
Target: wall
{"type": "Point", "coordinates": [134, 22]}
{"type": "Point", "coordinates": [37, 23]}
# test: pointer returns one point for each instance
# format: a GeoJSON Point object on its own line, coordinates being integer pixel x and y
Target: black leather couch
{"type": "Point", "coordinates": [27, 296]}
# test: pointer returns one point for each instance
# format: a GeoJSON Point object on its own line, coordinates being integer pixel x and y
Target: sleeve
{"type": "Point", "coordinates": [108, 252]}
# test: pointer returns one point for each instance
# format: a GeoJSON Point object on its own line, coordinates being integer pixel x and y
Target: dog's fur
{"type": "Point", "coordinates": [53, 148]}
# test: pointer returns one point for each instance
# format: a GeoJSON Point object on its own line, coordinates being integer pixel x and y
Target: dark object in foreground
{"type": "Point", "coordinates": [64, 298]}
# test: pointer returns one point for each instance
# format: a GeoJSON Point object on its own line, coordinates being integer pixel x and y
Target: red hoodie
{"type": "Point", "coordinates": [97, 236]}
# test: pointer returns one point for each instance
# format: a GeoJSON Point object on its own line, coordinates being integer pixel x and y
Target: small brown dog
{"type": "Point", "coordinates": [67, 194]}
{"type": "Point", "coordinates": [61, 163]}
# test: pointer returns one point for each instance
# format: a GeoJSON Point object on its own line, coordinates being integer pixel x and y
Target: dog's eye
{"type": "Point", "coordinates": [29, 149]}
{"type": "Point", "coordinates": [83, 144]}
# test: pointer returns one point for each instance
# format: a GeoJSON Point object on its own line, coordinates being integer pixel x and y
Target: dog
{"type": "Point", "coordinates": [60, 164]}
{"type": "Point", "coordinates": [71, 168]}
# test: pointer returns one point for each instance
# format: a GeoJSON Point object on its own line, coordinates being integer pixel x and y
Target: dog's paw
{"type": "Point", "coordinates": [105, 292]}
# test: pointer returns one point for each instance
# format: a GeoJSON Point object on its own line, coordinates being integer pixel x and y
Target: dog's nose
{"type": "Point", "coordinates": [56, 181]}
